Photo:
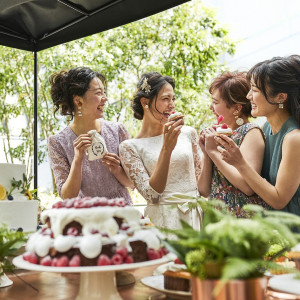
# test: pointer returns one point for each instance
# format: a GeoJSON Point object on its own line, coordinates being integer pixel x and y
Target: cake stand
{"type": "Point", "coordinates": [96, 282]}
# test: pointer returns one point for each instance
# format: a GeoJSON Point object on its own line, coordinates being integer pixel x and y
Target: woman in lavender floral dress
{"type": "Point", "coordinates": [218, 179]}
{"type": "Point", "coordinates": [80, 93]}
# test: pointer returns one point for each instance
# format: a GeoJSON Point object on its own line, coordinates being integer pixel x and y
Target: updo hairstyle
{"type": "Point", "coordinates": [156, 81]}
{"type": "Point", "coordinates": [67, 84]}
{"type": "Point", "coordinates": [233, 88]}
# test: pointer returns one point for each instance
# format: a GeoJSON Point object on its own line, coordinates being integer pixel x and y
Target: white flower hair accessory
{"type": "Point", "coordinates": [146, 86]}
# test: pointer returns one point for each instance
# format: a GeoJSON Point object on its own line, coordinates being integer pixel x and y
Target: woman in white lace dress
{"type": "Point", "coordinates": [163, 161]}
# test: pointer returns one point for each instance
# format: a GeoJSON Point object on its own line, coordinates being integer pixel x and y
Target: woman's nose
{"type": "Point", "coordinates": [249, 95]}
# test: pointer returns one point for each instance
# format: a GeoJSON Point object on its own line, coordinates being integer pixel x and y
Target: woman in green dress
{"type": "Point", "coordinates": [275, 94]}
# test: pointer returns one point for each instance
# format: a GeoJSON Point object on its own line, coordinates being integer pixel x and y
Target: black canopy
{"type": "Point", "coordinates": [35, 25]}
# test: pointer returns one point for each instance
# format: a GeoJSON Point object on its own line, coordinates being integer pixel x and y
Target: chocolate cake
{"type": "Point", "coordinates": [93, 231]}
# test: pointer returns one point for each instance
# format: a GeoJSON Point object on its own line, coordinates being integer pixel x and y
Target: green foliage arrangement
{"type": "Point", "coordinates": [23, 185]}
{"type": "Point", "coordinates": [234, 248]}
{"type": "Point", "coordinates": [10, 242]}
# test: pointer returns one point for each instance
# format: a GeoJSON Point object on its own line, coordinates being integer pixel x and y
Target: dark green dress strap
{"type": "Point", "coordinates": [272, 159]}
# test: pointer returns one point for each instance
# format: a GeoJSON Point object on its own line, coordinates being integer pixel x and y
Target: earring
{"type": "Point", "coordinates": [239, 121]}
{"type": "Point", "coordinates": [79, 110]}
{"type": "Point", "coordinates": [146, 106]}
{"type": "Point", "coordinates": [280, 105]}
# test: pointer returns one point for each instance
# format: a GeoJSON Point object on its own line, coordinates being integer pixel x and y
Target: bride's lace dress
{"type": "Point", "coordinates": [139, 157]}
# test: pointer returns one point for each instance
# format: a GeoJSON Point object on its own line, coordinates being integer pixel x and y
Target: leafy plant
{"type": "Point", "coordinates": [228, 247]}
{"type": "Point", "coordinates": [24, 186]}
{"type": "Point", "coordinates": [10, 242]}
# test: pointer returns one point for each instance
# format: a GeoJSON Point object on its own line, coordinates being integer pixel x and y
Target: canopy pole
{"type": "Point", "coordinates": [35, 107]}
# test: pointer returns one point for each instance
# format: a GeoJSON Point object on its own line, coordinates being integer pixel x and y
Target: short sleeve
{"type": "Point", "coordinates": [58, 162]}
{"type": "Point", "coordinates": [135, 170]}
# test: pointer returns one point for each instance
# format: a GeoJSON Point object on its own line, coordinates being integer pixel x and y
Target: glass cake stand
{"type": "Point", "coordinates": [96, 282]}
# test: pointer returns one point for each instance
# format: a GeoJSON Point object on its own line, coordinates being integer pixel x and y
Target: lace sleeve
{"type": "Point", "coordinates": [123, 133]}
{"type": "Point", "coordinates": [58, 163]}
{"type": "Point", "coordinates": [137, 173]}
{"type": "Point", "coordinates": [196, 153]}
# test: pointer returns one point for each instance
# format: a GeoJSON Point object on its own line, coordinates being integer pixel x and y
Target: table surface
{"type": "Point", "coordinates": [61, 286]}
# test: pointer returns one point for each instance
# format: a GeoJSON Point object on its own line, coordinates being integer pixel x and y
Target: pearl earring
{"type": "Point", "coordinates": [146, 106]}
{"type": "Point", "coordinates": [79, 110]}
{"type": "Point", "coordinates": [280, 105]}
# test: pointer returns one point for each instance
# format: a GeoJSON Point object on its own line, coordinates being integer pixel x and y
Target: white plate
{"type": "Point", "coordinates": [21, 263]}
{"type": "Point", "coordinates": [285, 283]}
{"type": "Point", "coordinates": [157, 283]}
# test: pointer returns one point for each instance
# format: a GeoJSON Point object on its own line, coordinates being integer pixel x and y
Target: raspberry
{"type": "Point", "coordinates": [224, 126]}
{"type": "Point", "coordinates": [102, 202]}
{"type": "Point", "coordinates": [164, 250]}
{"type": "Point", "coordinates": [111, 202]}
{"type": "Point", "coordinates": [47, 231]}
{"type": "Point", "coordinates": [46, 261]}
{"type": "Point", "coordinates": [117, 259]}
{"type": "Point", "coordinates": [58, 204]}
{"type": "Point", "coordinates": [63, 261]}
{"type": "Point", "coordinates": [77, 203]}
{"type": "Point", "coordinates": [124, 226]}
{"type": "Point", "coordinates": [85, 204]}
{"type": "Point", "coordinates": [32, 258]}
{"type": "Point", "coordinates": [72, 231]}
{"type": "Point", "coordinates": [103, 260]}
{"type": "Point", "coordinates": [152, 254]}
{"type": "Point", "coordinates": [122, 251]}
{"type": "Point", "coordinates": [128, 260]}
{"type": "Point", "coordinates": [178, 261]}
{"type": "Point", "coordinates": [69, 203]}
{"type": "Point", "coordinates": [75, 261]}
{"type": "Point", "coordinates": [120, 202]}
{"type": "Point", "coordinates": [54, 262]}
{"type": "Point", "coordinates": [25, 255]}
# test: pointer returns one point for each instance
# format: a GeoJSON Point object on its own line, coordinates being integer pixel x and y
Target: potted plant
{"type": "Point", "coordinates": [10, 243]}
{"type": "Point", "coordinates": [227, 256]}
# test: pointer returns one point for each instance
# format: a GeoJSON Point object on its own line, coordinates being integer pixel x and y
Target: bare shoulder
{"type": "Point", "coordinates": [292, 138]}
{"type": "Point", "coordinates": [254, 134]}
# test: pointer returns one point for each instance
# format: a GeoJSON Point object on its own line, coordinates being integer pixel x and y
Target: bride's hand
{"type": "Point", "coordinates": [171, 132]}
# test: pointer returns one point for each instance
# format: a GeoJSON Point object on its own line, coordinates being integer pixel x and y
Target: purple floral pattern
{"type": "Point", "coordinates": [96, 178]}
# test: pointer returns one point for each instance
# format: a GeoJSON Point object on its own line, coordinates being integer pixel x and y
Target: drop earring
{"type": "Point", "coordinates": [280, 105]}
{"type": "Point", "coordinates": [146, 106]}
{"type": "Point", "coordinates": [239, 121]}
{"type": "Point", "coordinates": [79, 110]}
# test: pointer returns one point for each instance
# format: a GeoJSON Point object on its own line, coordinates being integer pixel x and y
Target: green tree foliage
{"type": "Point", "coordinates": [185, 42]}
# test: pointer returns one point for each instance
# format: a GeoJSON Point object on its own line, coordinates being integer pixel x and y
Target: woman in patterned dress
{"type": "Point", "coordinates": [80, 93]}
{"type": "Point", "coordinates": [163, 161]}
{"type": "Point", "coordinates": [219, 180]}
{"type": "Point", "coordinates": [275, 94]}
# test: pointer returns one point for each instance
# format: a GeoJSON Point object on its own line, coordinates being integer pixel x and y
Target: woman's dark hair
{"type": "Point", "coordinates": [233, 88]}
{"type": "Point", "coordinates": [156, 81]}
{"type": "Point", "coordinates": [67, 84]}
{"type": "Point", "coordinates": [279, 75]}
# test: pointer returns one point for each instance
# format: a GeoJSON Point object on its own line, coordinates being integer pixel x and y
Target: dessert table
{"type": "Point", "coordinates": [64, 286]}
